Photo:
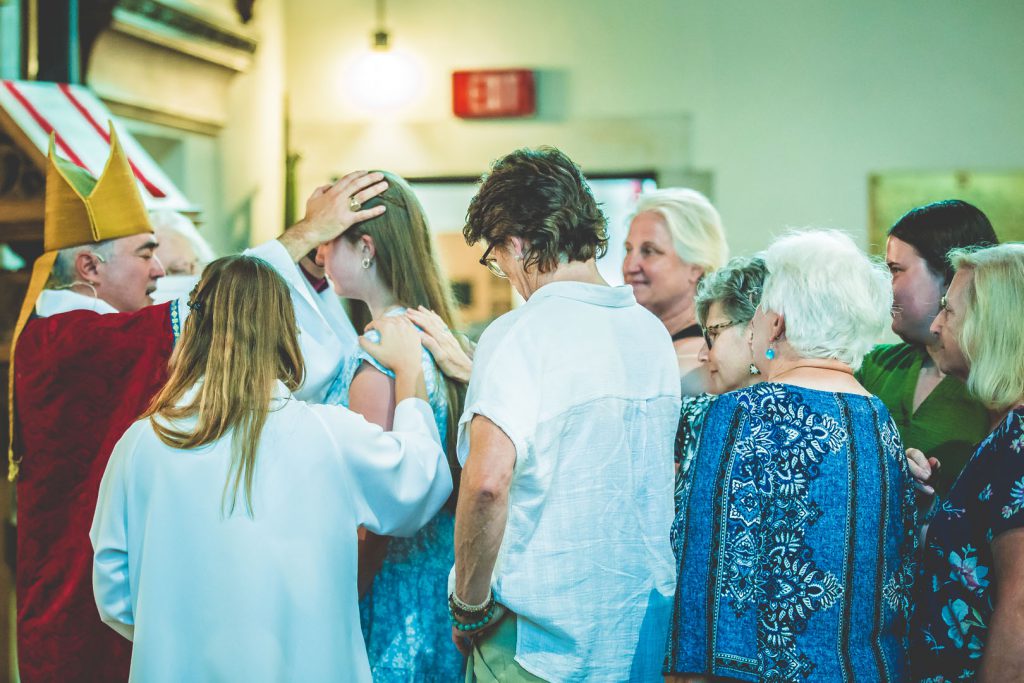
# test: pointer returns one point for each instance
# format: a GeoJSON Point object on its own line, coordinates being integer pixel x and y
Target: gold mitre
{"type": "Point", "coordinates": [80, 210]}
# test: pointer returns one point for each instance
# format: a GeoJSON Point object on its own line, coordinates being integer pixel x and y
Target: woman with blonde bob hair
{"type": "Point", "coordinates": [225, 530]}
{"type": "Point", "coordinates": [674, 239]}
{"type": "Point", "coordinates": [970, 603]}
{"type": "Point", "coordinates": [805, 567]}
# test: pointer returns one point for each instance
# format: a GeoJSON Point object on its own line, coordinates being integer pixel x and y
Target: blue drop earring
{"type": "Point", "coordinates": [769, 353]}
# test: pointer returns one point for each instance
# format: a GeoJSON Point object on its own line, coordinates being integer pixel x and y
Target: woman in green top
{"type": "Point", "coordinates": [933, 411]}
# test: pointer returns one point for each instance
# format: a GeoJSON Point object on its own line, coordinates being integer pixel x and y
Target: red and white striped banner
{"type": "Point", "coordinates": [80, 123]}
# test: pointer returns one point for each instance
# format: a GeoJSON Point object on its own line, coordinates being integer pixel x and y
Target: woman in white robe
{"type": "Point", "coordinates": [225, 533]}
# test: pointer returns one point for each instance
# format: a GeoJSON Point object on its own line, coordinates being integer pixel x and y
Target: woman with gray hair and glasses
{"type": "Point", "coordinates": [796, 532]}
{"type": "Point", "coordinates": [725, 303]}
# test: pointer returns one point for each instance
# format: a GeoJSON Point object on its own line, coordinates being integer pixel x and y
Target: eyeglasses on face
{"type": "Point", "coordinates": [491, 263]}
{"type": "Point", "coordinates": [711, 332]}
{"type": "Point", "coordinates": [943, 303]}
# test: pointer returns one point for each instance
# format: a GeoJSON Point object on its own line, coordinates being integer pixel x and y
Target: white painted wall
{"type": "Point", "coordinates": [252, 142]}
{"type": "Point", "coordinates": [789, 104]}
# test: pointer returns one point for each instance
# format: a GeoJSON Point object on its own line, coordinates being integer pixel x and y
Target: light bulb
{"type": "Point", "coordinates": [385, 79]}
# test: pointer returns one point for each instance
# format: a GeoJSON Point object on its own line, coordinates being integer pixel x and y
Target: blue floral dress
{"type": "Point", "coordinates": [796, 536]}
{"type": "Point", "coordinates": [405, 616]}
{"type": "Point", "coordinates": [954, 597]}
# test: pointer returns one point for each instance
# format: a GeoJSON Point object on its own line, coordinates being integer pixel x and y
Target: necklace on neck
{"type": "Point", "coordinates": [846, 370]}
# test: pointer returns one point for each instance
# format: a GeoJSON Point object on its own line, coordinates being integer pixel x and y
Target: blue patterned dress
{"type": "Point", "coordinates": [404, 616]}
{"type": "Point", "coordinates": [796, 537]}
{"type": "Point", "coordinates": [954, 597]}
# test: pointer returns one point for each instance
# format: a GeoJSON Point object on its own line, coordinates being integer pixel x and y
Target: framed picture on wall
{"type": "Point", "coordinates": [999, 194]}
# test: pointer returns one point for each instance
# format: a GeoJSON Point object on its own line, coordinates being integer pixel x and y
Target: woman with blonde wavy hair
{"type": "Point", "coordinates": [970, 601]}
{"type": "Point", "coordinates": [225, 530]}
{"type": "Point", "coordinates": [389, 264]}
{"type": "Point", "coordinates": [675, 239]}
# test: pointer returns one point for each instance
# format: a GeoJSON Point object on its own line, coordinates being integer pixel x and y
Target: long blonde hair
{"type": "Point", "coordinates": [407, 265]}
{"type": "Point", "coordinates": [992, 334]}
{"type": "Point", "coordinates": [240, 338]}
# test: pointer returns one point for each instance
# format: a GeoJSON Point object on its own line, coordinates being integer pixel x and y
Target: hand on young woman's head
{"type": "Point", "coordinates": [333, 209]}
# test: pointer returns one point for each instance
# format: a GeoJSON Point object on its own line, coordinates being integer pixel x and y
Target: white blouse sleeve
{"type": "Point", "coordinates": [400, 479]}
{"type": "Point", "coordinates": [326, 335]}
{"type": "Point", "coordinates": [109, 536]}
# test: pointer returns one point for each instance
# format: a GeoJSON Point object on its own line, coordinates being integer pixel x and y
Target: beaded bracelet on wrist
{"type": "Point", "coordinates": [460, 610]}
{"type": "Point", "coordinates": [454, 599]}
{"type": "Point", "coordinates": [468, 612]}
{"type": "Point", "coordinates": [477, 624]}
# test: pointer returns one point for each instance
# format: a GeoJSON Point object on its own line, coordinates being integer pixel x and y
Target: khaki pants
{"type": "Point", "coordinates": [493, 657]}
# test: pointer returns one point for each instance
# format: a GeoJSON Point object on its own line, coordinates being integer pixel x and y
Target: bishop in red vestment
{"type": "Point", "coordinates": [81, 379]}
{"type": "Point", "coordinates": [83, 369]}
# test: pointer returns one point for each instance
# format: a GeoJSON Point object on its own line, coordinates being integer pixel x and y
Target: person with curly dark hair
{"type": "Point", "coordinates": [569, 421]}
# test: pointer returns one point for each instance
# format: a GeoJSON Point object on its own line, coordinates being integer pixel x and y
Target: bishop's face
{"type": "Point", "coordinates": [126, 278]}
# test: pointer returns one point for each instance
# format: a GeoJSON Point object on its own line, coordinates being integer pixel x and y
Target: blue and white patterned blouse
{"type": "Point", "coordinates": [405, 615]}
{"type": "Point", "coordinates": [797, 537]}
{"type": "Point", "coordinates": [954, 597]}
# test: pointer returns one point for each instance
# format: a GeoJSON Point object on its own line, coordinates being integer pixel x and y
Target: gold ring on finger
{"type": "Point", "coordinates": [354, 204]}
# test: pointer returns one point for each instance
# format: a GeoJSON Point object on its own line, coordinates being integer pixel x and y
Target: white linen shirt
{"type": "Point", "coordinates": [211, 596]}
{"type": "Point", "coordinates": [584, 382]}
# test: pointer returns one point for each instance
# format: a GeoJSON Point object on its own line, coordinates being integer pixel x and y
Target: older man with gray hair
{"type": "Point", "coordinates": [79, 379]}
{"type": "Point", "coordinates": [182, 250]}
{"type": "Point", "coordinates": [183, 253]}
{"type": "Point", "coordinates": [111, 276]}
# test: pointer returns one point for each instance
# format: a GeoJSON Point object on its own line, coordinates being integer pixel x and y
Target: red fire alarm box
{"type": "Point", "coordinates": [493, 93]}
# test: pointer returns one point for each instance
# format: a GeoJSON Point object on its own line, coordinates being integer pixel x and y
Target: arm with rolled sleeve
{"type": "Point", "coordinates": [400, 479]}
{"type": "Point", "coordinates": [109, 536]}
{"type": "Point", "coordinates": [498, 419]}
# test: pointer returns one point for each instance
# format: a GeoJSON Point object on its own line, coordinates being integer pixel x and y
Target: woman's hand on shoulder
{"type": "Point", "coordinates": [399, 346]}
{"type": "Point", "coordinates": [454, 358]}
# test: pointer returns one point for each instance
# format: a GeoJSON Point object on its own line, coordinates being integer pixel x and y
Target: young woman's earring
{"type": "Point", "coordinates": [367, 262]}
{"type": "Point", "coordinates": [754, 370]}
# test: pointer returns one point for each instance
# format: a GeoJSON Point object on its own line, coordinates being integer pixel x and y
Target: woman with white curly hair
{"type": "Point", "coordinates": [804, 571]}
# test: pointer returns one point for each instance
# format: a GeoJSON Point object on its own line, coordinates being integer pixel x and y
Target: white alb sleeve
{"type": "Point", "coordinates": [400, 479]}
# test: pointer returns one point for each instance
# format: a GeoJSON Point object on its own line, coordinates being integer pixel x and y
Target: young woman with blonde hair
{"type": "Point", "coordinates": [225, 530]}
{"type": "Point", "coordinates": [389, 264]}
